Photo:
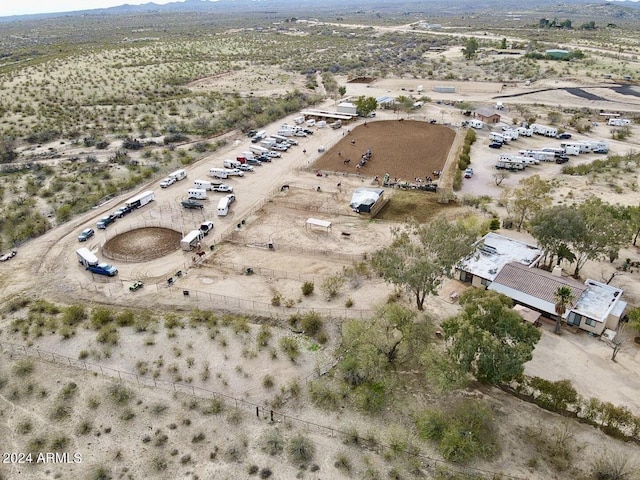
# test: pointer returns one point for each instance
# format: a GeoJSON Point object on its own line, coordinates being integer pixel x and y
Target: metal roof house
{"type": "Point", "coordinates": [596, 306]}
{"type": "Point", "coordinates": [494, 251]}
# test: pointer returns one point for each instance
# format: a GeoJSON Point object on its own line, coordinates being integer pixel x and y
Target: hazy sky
{"type": "Point", "coordinates": [21, 7]}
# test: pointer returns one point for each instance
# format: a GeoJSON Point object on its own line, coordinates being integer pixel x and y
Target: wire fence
{"type": "Point", "coordinates": [260, 411]}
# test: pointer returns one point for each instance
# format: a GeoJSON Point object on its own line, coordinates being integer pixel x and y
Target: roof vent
{"type": "Point", "coordinates": [557, 271]}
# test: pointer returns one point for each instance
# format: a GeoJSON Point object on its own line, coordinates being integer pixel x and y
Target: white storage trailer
{"type": "Point", "coordinates": [141, 199]}
{"type": "Point", "coordinates": [86, 258]}
{"type": "Point", "coordinates": [197, 193]}
{"type": "Point", "coordinates": [258, 150]}
{"type": "Point", "coordinates": [231, 163]}
{"type": "Point", "coordinates": [218, 173]}
{"type": "Point", "coordinates": [191, 239]}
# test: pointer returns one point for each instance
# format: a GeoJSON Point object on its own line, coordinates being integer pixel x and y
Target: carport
{"type": "Point", "coordinates": [317, 223]}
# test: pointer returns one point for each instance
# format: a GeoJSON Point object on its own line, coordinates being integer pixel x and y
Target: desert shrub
{"type": "Point", "coordinates": [60, 412]}
{"type": "Point", "coordinates": [463, 431]}
{"type": "Point", "coordinates": [159, 463]}
{"type": "Point", "coordinates": [265, 472]}
{"type": "Point", "coordinates": [59, 442]}
{"type": "Point", "coordinates": [495, 224]}
{"type": "Point", "coordinates": [343, 462]}
{"type": "Point", "coordinates": [311, 323]}
{"type": "Point", "coordinates": [556, 445]}
{"type": "Point", "coordinates": [272, 442]}
{"type": "Point", "coordinates": [126, 318]}
{"type": "Point", "coordinates": [199, 437]}
{"type": "Point", "coordinates": [73, 315]}
{"type": "Point", "coordinates": [68, 391]}
{"type": "Point", "coordinates": [84, 427]}
{"type": "Point", "coordinates": [554, 396]}
{"type": "Point", "coordinates": [23, 367]}
{"type": "Point", "coordinates": [348, 302]}
{"type": "Point", "coordinates": [120, 395]}
{"type": "Point", "coordinates": [100, 473]}
{"type": "Point", "coordinates": [101, 316]}
{"type": "Point", "coordinates": [323, 395]}
{"type": "Point", "coordinates": [171, 320]}
{"type": "Point", "coordinates": [268, 382]}
{"type": "Point", "coordinates": [214, 406]}
{"type": "Point", "coordinates": [307, 288]}
{"type": "Point", "coordinates": [615, 466]}
{"type": "Point", "coordinates": [331, 286]}
{"type": "Point", "coordinates": [36, 445]}
{"type": "Point", "coordinates": [24, 426]}
{"type": "Point", "coordinates": [108, 335]}
{"type": "Point", "coordinates": [290, 348]}
{"type": "Point", "coordinates": [457, 180]}
{"type": "Point", "coordinates": [264, 335]}
{"type": "Point", "coordinates": [300, 449]}
{"type": "Point", "coordinates": [276, 300]}
{"type": "Point", "coordinates": [370, 397]}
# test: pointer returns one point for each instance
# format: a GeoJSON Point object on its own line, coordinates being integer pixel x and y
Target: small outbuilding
{"type": "Point", "coordinates": [364, 199]}
{"type": "Point", "coordinates": [487, 115]}
{"type": "Point", "coordinates": [347, 108]}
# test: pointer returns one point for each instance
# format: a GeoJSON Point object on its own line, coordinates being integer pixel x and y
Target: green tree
{"type": "Point", "coordinates": [366, 105]}
{"type": "Point", "coordinates": [563, 298]}
{"type": "Point", "coordinates": [470, 48]}
{"type": "Point", "coordinates": [488, 339]}
{"type": "Point", "coordinates": [421, 255]}
{"type": "Point", "coordinates": [604, 233]}
{"type": "Point", "coordinates": [528, 199]}
{"type": "Point", "coordinates": [556, 226]}
{"type": "Point", "coordinates": [7, 152]}
{"type": "Point", "coordinates": [503, 44]}
{"type": "Point", "coordinates": [342, 90]}
{"type": "Point", "coordinates": [564, 253]}
{"type": "Point", "coordinates": [404, 103]}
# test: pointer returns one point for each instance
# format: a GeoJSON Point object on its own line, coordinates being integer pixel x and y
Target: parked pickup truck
{"type": "Point", "coordinates": [103, 269]}
{"type": "Point", "coordinates": [192, 204]}
{"type": "Point", "coordinates": [223, 187]}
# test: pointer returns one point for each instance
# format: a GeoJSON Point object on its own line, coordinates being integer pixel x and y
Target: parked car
{"type": "Point", "coordinates": [495, 145]}
{"type": "Point", "coordinates": [137, 285]}
{"type": "Point", "coordinates": [206, 227]}
{"type": "Point", "coordinates": [279, 148]}
{"type": "Point", "coordinates": [564, 136]}
{"type": "Point", "coordinates": [468, 173]}
{"type": "Point", "coordinates": [192, 204]}
{"type": "Point", "coordinates": [245, 168]}
{"type": "Point", "coordinates": [271, 154]}
{"type": "Point", "coordinates": [254, 161]}
{"type": "Point", "coordinates": [263, 158]}
{"type": "Point", "coordinates": [299, 133]}
{"type": "Point", "coordinates": [104, 222]}
{"type": "Point", "coordinates": [562, 159]}
{"type": "Point", "coordinates": [292, 141]}
{"type": "Point", "coordinates": [8, 256]}
{"type": "Point", "coordinates": [307, 131]}
{"type": "Point", "coordinates": [85, 234]}
{"type": "Point", "coordinates": [251, 133]}
{"type": "Point", "coordinates": [232, 198]}
{"type": "Point", "coordinates": [167, 182]}
{"type": "Point", "coordinates": [122, 211]}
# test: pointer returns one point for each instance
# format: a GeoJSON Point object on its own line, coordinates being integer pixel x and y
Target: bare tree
{"type": "Point", "coordinates": [500, 177]}
{"type": "Point", "coordinates": [620, 340]}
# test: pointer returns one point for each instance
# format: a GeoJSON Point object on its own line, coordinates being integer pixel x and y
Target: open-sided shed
{"type": "Point", "coordinates": [315, 222]}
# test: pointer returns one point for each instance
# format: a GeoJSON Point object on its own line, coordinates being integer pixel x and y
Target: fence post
{"type": "Point", "coordinates": [69, 358]}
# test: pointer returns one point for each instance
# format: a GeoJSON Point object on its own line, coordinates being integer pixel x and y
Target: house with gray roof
{"type": "Point", "coordinates": [509, 266]}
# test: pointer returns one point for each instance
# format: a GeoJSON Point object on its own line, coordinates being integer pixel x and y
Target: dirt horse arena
{"type": "Point", "coordinates": [405, 149]}
{"type": "Point", "coordinates": [142, 244]}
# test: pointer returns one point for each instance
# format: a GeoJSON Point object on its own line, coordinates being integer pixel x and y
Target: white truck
{"type": "Point", "coordinates": [178, 174]}
{"type": "Point", "coordinates": [268, 142]}
{"type": "Point", "coordinates": [234, 172]}
{"type": "Point", "coordinates": [191, 240]}
{"type": "Point", "coordinates": [299, 120]}
{"type": "Point", "coordinates": [86, 258]}
{"type": "Point", "coordinates": [232, 163]}
{"type": "Point", "coordinates": [599, 147]}
{"type": "Point", "coordinates": [248, 155]}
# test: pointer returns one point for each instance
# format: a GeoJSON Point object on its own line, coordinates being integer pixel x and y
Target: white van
{"type": "Point", "coordinates": [231, 163]}
{"type": "Point", "coordinates": [223, 206]}
{"type": "Point", "coordinates": [197, 193]}
{"type": "Point", "coordinates": [218, 173]}
{"type": "Point", "coordinates": [311, 122]}
{"type": "Point", "coordinates": [179, 174]}
{"type": "Point", "coordinates": [321, 124]}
